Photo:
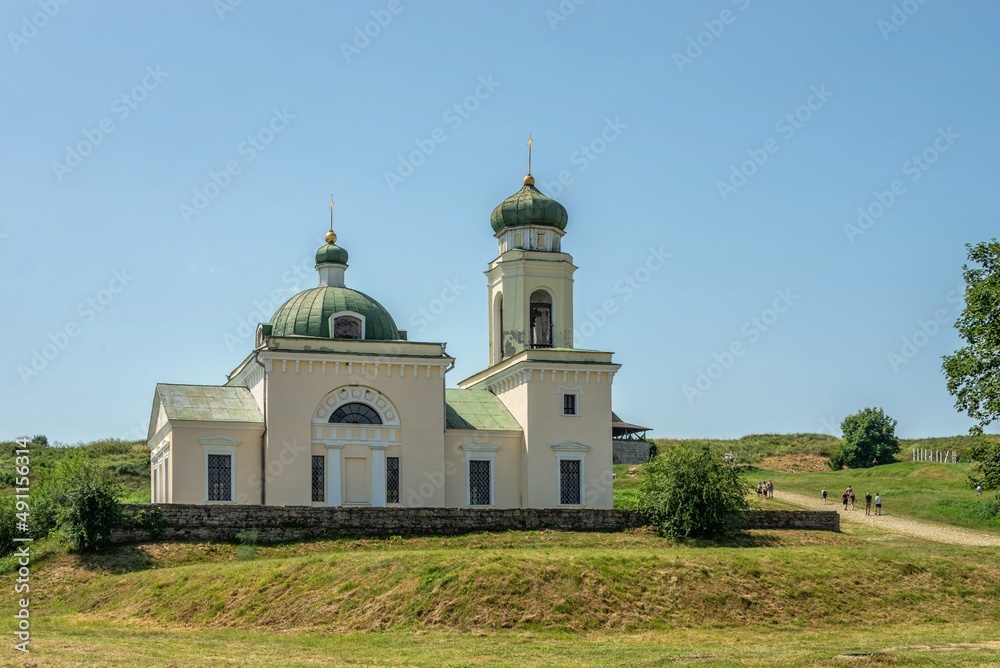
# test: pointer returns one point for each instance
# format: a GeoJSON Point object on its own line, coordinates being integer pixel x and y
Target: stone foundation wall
{"type": "Point", "coordinates": [629, 452]}
{"type": "Point", "coordinates": [288, 523]}
{"type": "Point", "coordinates": [821, 520]}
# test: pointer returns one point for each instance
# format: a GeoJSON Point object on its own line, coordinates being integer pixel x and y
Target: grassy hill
{"type": "Point", "coordinates": [524, 598]}
{"type": "Point", "coordinates": [126, 461]}
{"type": "Point", "coordinates": [755, 447]}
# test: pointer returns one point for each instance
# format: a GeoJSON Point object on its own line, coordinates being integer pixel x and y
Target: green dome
{"type": "Point", "coordinates": [331, 254]}
{"type": "Point", "coordinates": [308, 313]}
{"type": "Point", "coordinates": [528, 206]}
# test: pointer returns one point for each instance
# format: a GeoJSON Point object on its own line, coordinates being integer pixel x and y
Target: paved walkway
{"type": "Point", "coordinates": [916, 528]}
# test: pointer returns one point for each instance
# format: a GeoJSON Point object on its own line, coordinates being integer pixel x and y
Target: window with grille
{"type": "Point", "coordinates": [569, 404]}
{"type": "Point", "coordinates": [569, 482]}
{"type": "Point", "coordinates": [479, 482]}
{"type": "Point", "coordinates": [355, 414]}
{"type": "Point", "coordinates": [220, 478]}
{"type": "Point", "coordinates": [392, 479]}
{"type": "Point", "coordinates": [319, 478]}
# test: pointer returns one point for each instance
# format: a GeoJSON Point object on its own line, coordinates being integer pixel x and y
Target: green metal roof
{"type": "Point", "coordinates": [308, 314]}
{"type": "Point", "coordinates": [529, 206]}
{"type": "Point", "coordinates": [477, 409]}
{"type": "Point", "coordinates": [331, 254]}
{"type": "Point", "coordinates": [209, 403]}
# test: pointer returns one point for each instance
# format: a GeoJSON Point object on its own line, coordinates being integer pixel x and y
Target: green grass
{"type": "Point", "coordinates": [525, 599]}
{"type": "Point", "coordinates": [126, 461]}
{"type": "Point", "coordinates": [753, 448]}
{"type": "Point", "coordinates": [924, 491]}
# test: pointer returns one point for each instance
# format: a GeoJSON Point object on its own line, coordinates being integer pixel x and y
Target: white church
{"type": "Point", "coordinates": [334, 406]}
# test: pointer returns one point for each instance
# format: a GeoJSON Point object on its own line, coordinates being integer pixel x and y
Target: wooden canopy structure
{"type": "Point", "coordinates": [626, 431]}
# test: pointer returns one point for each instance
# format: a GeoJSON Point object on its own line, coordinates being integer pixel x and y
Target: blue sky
{"type": "Point", "coordinates": [166, 170]}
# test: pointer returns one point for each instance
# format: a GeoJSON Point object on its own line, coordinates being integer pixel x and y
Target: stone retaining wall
{"type": "Point", "coordinates": [287, 523]}
{"type": "Point", "coordinates": [629, 452]}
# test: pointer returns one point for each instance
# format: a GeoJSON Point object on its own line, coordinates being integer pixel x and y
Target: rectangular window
{"type": "Point", "coordinates": [569, 482]}
{"type": "Point", "coordinates": [319, 478]}
{"type": "Point", "coordinates": [541, 241]}
{"type": "Point", "coordinates": [517, 240]}
{"type": "Point", "coordinates": [569, 404]}
{"type": "Point", "coordinates": [392, 479]}
{"type": "Point", "coordinates": [220, 478]}
{"type": "Point", "coordinates": [479, 482]}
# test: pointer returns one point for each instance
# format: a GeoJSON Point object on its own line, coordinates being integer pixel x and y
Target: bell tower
{"type": "Point", "coordinates": [531, 280]}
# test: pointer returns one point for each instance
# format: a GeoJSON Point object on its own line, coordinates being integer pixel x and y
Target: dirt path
{"type": "Point", "coordinates": [907, 527]}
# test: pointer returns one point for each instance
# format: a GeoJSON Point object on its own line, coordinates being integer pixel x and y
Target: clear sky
{"type": "Point", "coordinates": [166, 170]}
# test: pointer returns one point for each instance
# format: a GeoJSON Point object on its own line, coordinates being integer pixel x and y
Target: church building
{"type": "Point", "coordinates": [334, 406]}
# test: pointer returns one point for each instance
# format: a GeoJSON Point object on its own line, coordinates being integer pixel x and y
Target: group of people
{"type": "Point", "coordinates": [765, 489]}
{"type": "Point", "coordinates": [848, 497]}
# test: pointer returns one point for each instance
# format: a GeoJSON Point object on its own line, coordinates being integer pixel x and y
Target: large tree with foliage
{"type": "Point", "coordinates": [688, 491]}
{"type": "Point", "coordinates": [869, 438]}
{"type": "Point", "coordinates": [973, 372]}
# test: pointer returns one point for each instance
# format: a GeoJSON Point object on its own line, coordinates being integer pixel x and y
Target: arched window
{"type": "Point", "coordinates": [355, 414]}
{"type": "Point", "coordinates": [498, 339]}
{"type": "Point", "coordinates": [346, 327]}
{"type": "Point", "coordinates": [541, 319]}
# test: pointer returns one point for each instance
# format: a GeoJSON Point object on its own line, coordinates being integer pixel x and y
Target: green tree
{"type": "Point", "coordinates": [78, 502]}
{"type": "Point", "coordinates": [869, 438]}
{"type": "Point", "coordinates": [986, 465]}
{"type": "Point", "coordinates": [688, 491]}
{"type": "Point", "coordinates": [973, 372]}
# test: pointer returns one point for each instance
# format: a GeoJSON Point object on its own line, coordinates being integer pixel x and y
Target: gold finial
{"type": "Point", "coordinates": [331, 236]}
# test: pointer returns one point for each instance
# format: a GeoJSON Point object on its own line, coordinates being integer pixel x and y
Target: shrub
{"type": "Point", "coordinates": [247, 549]}
{"type": "Point", "coordinates": [8, 525]}
{"type": "Point", "coordinates": [688, 491]}
{"type": "Point", "coordinates": [79, 503]}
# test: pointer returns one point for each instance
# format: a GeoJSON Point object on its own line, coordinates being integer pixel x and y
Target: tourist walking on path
{"type": "Point", "coordinates": [852, 500]}
{"type": "Point", "coordinates": [868, 503]}
{"type": "Point", "coordinates": [979, 490]}
{"type": "Point", "coordinates": [824, 496]}
{"type": "Point", "coordinates": [878, 503]}
{"type": "Point", "coordinates": [845, 497]}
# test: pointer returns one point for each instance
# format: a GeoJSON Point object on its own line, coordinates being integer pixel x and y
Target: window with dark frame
{"type": "Point", "coordinates": [479, 482]}
{"type": "Point", "coordinates": [540, 313]}
{"type": "Point", "coordinates": [569, 404]}
{"type": "Point", "coordinates": [355, 413]}
{"type": "Point", "coordinates": [570, 485]}
{"type": "Point", "coordinates": [347, 327]}
{"type": "Point", "coordinates": [220, 478]}
{"type": "Point", "coordinates": [319, 478]}
{"type": "Point", "coordinates": [392, 479]}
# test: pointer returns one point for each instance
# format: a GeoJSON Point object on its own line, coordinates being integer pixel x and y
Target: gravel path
{"type": "Point", "coordinates": [907, 527]}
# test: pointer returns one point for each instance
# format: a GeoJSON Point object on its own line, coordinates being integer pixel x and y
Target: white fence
{"type": "Point", "coordinates": [936, 456]}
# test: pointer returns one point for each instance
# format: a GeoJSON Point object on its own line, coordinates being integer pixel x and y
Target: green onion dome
{"type": "Point", "coordinates": [529, 206]}
{"type": "Point", "coordinates": [331, 253]}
